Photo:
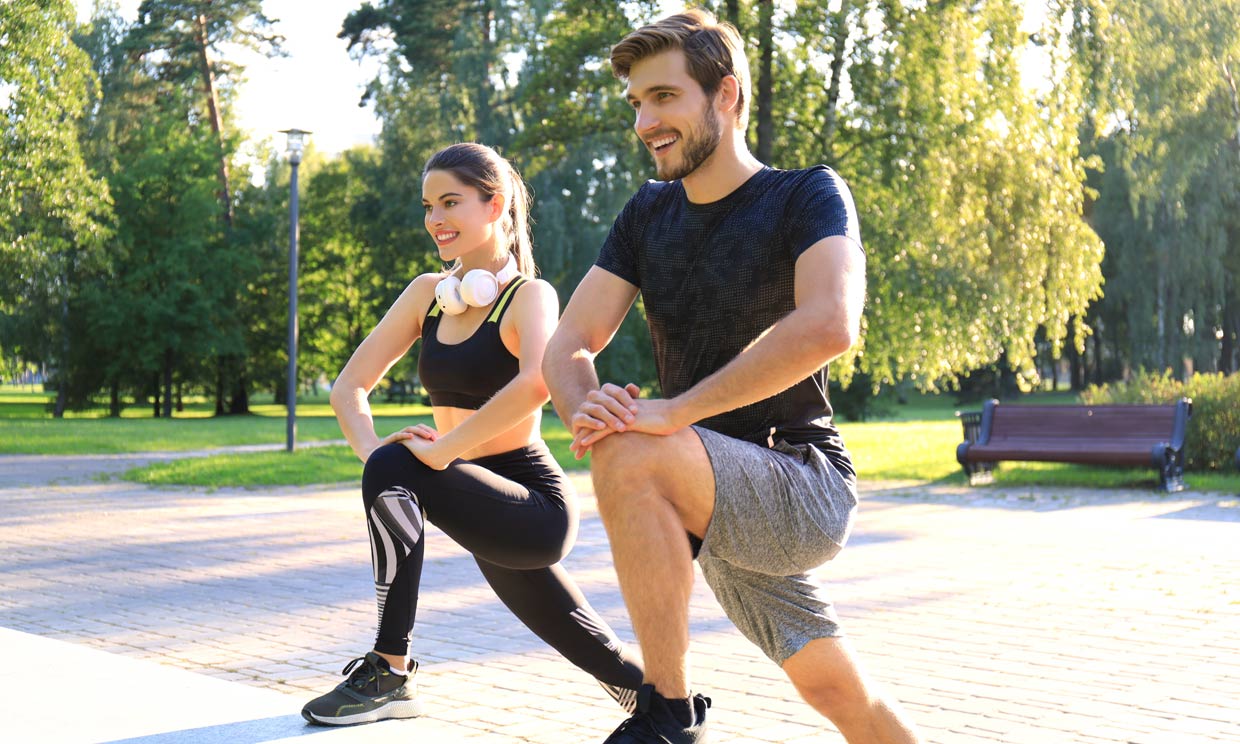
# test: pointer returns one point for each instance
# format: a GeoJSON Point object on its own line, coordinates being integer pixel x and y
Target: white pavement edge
{"type": "Point", "coordinates": [60, 692]}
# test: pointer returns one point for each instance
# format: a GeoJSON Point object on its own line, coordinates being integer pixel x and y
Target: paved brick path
{"type": "Point", "coordinates": [1019, 617]}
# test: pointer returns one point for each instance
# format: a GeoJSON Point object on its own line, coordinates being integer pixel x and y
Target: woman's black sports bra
{"type": "Point", "coordinates": [468, 374]}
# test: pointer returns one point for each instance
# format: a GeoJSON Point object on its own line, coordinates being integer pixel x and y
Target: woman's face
{"type": "Point", "coordinates": [458, 217]}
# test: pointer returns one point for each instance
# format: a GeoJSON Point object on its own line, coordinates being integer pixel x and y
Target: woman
{"type": "Point", "coordinates": [483, 474]}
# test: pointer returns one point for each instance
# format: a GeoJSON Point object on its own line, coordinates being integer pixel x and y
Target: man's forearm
{"type": "Point", "coordinates": [785, 354]}
{"type": "Point", "coordinates": [568, 370]}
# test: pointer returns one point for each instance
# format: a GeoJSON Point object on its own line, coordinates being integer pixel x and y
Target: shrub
{"type": "Point", "coordinates": [1213, 430]}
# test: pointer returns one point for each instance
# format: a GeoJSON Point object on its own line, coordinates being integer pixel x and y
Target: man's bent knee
{"type": "Point", "coordinates": [623, 463]}
{"type": "Point", "coordinates": [635, 461]}
{"type": "Point", "coordinates": [628, 467]}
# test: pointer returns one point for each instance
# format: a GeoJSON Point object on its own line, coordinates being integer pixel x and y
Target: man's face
{"type": "Point", "coordinates": [675, 119]}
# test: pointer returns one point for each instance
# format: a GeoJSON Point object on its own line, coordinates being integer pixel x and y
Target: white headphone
{"type": "Point", "coordinates": [478, 288]}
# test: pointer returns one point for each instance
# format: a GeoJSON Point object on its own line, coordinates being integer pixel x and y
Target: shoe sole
{"type": "Point", "coordinates": [394, 709]}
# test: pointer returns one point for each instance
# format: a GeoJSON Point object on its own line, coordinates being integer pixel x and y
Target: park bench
{"type": "Point", "coordinates": [401, 392]}
{"type": "Point", "coordinates": [1124, 435]}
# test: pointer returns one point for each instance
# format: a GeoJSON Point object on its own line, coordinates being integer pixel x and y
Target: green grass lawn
{"type": "Point", "coordinates": [26, 427]}
{"type": "Point", "coordinates": [916, 442]}
{"type": "Point", "coordinates": [309, 465]}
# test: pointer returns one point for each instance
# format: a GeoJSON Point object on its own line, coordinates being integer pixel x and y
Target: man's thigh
{"type": "Point", "coordinates": [780, 512]}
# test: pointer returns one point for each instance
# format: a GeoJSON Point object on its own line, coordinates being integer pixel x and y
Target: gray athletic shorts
{"type": "Point", "coordinates": [779, 513]}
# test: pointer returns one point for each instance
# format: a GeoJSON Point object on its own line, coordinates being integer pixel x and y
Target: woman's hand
{"type": "Point", "coordinates": [405, 434]}
{"type": "Point", "coordinates": [423, 446]}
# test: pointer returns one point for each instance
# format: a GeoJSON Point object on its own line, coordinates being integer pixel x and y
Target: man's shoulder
{"type": "Point", "coordinates": [653, 191]}
{"type": "Point", "coordinates": [815, 176]}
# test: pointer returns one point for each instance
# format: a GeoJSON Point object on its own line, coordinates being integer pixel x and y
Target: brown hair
{"type": "Point", "coordinates": [486, 170]}
{"type": "Point", "coordinates": [712, 50]}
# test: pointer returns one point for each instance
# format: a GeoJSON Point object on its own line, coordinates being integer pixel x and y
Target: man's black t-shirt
{"type": "Point", "coordinates": [714, 276]}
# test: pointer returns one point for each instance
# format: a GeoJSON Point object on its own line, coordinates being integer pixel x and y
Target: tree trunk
{"type": "Point", "coordinates": [61, 398]}
{"type": "Point", "coordinates": [1160, 310]}
{"type": "Point", "coordinates": [213, 113]}
{"type": "Point", "coordinates": [766, 53]}
{"type": "Point", "coordinates": [181, 396]}
{"type": "Point", "coordinates": [732, 14]}
{"type": "Point", "coordinates": [114, 400]}
{"type": "Point", "coordinates": [155, 395]}
{"type": "Point", "coordinates": [219, 387]}
{"type": "Point", "coordinates": [1097, 336]}
{"type": "Point", "coordinates": [59, 410]}
{"type": "Point", "coordinates": [833, 87]}
{"type": "Point", "coordinates": [168, 383]}
{"type": "Point", "coordinates": [240, 402]}
{"type": "Point", "coordinates": [1074, 356]}
{"type": "Point", "coordinates": [1235, 102]}
{"type": "Point", "coordinates": [1227, 349]}
{"type": "Point", "coordinates": [484, 93]}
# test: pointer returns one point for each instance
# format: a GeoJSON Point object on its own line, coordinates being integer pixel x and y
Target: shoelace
{"type": "Point", "coordinates": [364, 675]}
{"type": "Point", "coordinates": [641, 723]}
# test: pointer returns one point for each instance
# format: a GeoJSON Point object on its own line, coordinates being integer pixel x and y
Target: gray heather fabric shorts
{"type": "Point", "coordinates": [779, 513]}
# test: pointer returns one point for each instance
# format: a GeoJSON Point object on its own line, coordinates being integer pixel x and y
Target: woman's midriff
{"type": "Point", "coordinates": [524, 433]}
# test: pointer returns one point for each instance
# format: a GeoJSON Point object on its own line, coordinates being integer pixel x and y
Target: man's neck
{"type": "Point", "coordinates": [723, 172]}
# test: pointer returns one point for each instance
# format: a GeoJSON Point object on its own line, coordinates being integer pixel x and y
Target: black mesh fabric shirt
{"type": "Point", "coordinates": [714, 276]}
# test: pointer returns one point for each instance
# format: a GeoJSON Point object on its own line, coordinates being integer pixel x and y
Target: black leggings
{"type": "Point", "coordinates": [516, 513]}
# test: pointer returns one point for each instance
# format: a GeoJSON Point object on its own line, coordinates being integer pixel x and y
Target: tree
{"type": "Point", "coordinates": [1165, 108]}
{"type": "Point", "coordinates": [54, 212]}
{"type": "Point", "coordinates": [970, 189]}
{"type": "Point", "coordinates": [339, 275]}
{"type": "Point", "coordinates": [183, 38]}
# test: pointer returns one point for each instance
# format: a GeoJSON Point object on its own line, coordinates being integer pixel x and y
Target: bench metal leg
{"type": "Point", "coordinates": [1172, 471]}
{"type": "Point", "coordinates": [980, 473]}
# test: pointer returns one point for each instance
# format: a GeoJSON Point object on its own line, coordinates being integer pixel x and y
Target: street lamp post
{"type": "Point", "coordinates": [296, 143]}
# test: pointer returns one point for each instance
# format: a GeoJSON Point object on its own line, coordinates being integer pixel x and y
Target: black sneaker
{"type": "Point", "coordinates": [371, 693]}
{"type": "Point", "coordinates": [626, 696]}
{"type": "Point", "coordinates": [654, 722]}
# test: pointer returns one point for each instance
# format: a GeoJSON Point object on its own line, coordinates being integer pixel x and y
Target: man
{"type": "Point", "coordinates": [753, 279]}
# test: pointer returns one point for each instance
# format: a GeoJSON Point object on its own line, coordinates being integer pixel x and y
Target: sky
{"type": "Point", "coordinates": [317, 86]}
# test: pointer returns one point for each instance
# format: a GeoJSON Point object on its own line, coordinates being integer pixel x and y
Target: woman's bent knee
{"type": "Point", "coordinates": [390, 465]}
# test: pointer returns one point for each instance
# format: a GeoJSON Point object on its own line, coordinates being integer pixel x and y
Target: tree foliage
{"type": "Point", "coordinates": [54, 212]}
{"type": "Point", "coordinates": [1167, 115]}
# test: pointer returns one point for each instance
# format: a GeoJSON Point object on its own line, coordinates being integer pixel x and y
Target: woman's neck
{"type": "Point", "coordinates": [492, 259]}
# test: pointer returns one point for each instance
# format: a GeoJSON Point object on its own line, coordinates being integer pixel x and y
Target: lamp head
{"type": "Point", "coordinates": [296, 143]}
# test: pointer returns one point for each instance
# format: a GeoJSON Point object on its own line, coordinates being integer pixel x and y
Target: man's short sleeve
{"type": "Point", "coordinates": [619, 254]}
{"type": "Point", "coordinates": [821, 206]}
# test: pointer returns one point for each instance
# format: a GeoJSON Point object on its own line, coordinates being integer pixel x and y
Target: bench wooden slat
{"type": "Point", "coordinates": [1098, 455]}
{"type": "Point", "coordinates": [1126, 422]}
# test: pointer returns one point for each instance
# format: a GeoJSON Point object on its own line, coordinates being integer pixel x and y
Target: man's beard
{"type": "Point", "coordinates": [698, 146]}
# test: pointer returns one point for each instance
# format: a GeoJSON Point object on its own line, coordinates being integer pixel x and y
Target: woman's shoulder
{"type": "Point", "coordinates": [422, 288]}
{"type": "Point", "coordinates": [536, 287]}
{"type": "Point", "coordinates": [534, 295]}
{"type": "Point", "coordinates": [415, 300]}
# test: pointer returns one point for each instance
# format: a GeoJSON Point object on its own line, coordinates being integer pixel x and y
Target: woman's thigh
{"type": "Point", "coordinates": [494, 517]}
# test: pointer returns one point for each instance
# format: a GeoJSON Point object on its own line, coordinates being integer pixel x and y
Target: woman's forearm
{"type": "Point", "coordinates": [516, 401]}
{"type": "Point", "coordinates": [353, 414]}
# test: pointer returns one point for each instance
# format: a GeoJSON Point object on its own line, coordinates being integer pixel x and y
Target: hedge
{"type": "Point", "coordinates": [1213, 430]}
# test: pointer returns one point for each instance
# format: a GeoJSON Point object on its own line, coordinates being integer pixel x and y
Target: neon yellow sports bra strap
{"type": "Point", "coordinates": [504, 299]}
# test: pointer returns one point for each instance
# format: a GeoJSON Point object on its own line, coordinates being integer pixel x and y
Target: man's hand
{"type": "Point", "coordinates": [612, 409]}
